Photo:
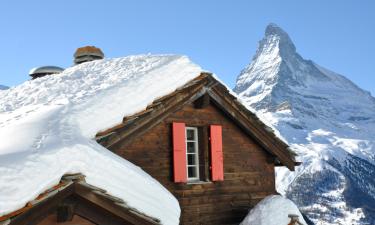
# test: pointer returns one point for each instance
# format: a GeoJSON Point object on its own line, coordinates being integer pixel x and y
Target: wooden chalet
{"type": "Point", "coordinates": [205, 147]}
{"type": "Point", "coordinates": [213, 154]}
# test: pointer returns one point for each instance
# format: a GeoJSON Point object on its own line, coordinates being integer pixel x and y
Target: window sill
{"type": "Point", "coordinates": [198, 182]}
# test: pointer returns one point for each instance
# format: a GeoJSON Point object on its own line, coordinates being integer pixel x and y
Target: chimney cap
{"type": "Point", "coordinates": [88, 50]}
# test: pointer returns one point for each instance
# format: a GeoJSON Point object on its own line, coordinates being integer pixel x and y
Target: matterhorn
{"type": "Point", "coordinates": [326, 119]}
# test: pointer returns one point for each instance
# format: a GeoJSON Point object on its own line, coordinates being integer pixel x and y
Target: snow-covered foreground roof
{"type": "Point", "coordinates": [273, 210]}
{"type": "Point", "coordinates": [47, 128]}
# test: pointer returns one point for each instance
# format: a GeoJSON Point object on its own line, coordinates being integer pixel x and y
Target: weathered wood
{"type": "Point", "coordinates": [98, 215]}
{"type": "Point", "coordinates": [65, 212]}
{"type": "Point", "coordinates": [202, 102]}
{"type": "Point", "coordinates": [250, 149]}
{"type": "Point", "coordinates": [117, 210]}
{"type": "Point", "coordinates": [259, 133]}
{"type": "Point", "coordinates": [51, 219]}
{"type": "Point", "coordinates": [248, 169]}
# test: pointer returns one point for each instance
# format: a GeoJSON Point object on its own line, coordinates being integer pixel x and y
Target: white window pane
{"type": "Point", "coordinates": [192, 172]}
{"type": "Point", "coordinates": [191, 147]}
{"type": "Point", "coordinates": [191, 160]}
{"type": "Point", "coordinates": [190, 134]}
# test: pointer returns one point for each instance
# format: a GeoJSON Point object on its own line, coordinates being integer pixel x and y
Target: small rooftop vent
{"type": "Point", "coordinates": [87, 53]}
{"type": "Point", "coordinates": [44, 71]}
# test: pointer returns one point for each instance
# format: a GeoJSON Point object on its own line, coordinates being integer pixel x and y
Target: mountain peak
{"type": "Point", "coordinates": [277, 71]}
{"type": "Point", "coordinates": [326, 118]}
{"type": "Point", "coordinates": [274, 31]}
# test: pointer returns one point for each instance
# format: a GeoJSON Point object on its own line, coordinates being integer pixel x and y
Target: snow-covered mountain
{"type": "Point", "coordinates": [2, 87]}
{"type": "Point", "coordinates": [326, 119]}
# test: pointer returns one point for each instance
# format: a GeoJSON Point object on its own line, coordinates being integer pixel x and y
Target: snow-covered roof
{"type": "Point", "coordinates": [47, 128]}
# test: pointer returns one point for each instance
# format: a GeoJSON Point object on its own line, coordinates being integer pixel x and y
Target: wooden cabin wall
{"type": "Point", "coordinates": [248, 169]}
{"type": "Point", "coordinates": [52, 220]}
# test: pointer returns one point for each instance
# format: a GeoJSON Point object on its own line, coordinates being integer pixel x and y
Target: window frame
{"type": "Point", "coordinates": [196, 153]}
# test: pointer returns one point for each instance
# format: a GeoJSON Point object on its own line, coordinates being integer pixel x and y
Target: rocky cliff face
{"type": "Point", "coordinates": [326, 119]}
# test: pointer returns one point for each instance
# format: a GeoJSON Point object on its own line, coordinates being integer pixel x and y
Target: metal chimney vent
{"type": "Point", "coordinates": [44, 71]}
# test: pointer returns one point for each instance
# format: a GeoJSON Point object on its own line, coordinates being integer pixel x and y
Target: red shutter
{"type": "Point", "coordinates": [217, 169]}
{"type": "Point", "coordinates": [179, 153]}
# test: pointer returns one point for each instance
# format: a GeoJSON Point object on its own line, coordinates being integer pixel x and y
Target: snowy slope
{"type": "Point", "coordinates": [2, 87]}
{"type": "Point", "coordinates": [47, 127]}
{"type": "Point", "coordinates": [327, 120]}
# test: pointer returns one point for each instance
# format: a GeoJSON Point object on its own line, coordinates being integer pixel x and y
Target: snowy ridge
{"type": "Point", "coordinates": [326, 119]}
{"type": "Point", "coordinates": [56, 117]}
{"type": "Point", "coordinates": [2, 87]}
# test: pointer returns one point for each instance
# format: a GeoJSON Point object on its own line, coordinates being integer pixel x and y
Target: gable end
{"type": "Point", "coordinates": [201, 91]}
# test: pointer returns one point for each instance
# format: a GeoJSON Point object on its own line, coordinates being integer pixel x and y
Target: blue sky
{"type": "Point", "coordinates": [221, 36]}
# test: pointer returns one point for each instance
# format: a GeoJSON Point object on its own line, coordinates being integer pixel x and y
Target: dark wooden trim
{"type": "Point", "coordinates": [204, 172]}
{"type": "Point", "coordinates": [207, 158]}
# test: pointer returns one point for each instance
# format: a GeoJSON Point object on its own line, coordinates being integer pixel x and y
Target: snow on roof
{"type": "Point", "coordinates": [47, 128]}
{"type": "Point", "coordinates": [273, 210]}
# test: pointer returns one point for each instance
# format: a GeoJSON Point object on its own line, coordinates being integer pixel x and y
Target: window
{"type": "Point", "coordinates": [192, 153]}
{"type": "Point", "coordinates": [197, 153]}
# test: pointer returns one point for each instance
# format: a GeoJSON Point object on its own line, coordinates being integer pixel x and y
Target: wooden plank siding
{"type": "Point", "coordinates": [248, 169]}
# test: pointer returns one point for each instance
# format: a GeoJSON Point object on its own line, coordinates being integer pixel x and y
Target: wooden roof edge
{"type": "Point", "coordinates": [150, 107]}
{"type": "Point", "coordinates": [69, 180]}
{"type": "Point", "coordinates": [78, 179]}
{"type": "Point", "coordinates": [284, 152]}
{"type": "Point", "coordinates": [40, 198]}
{"type": "Point", "coordinates": [281, 145]}
{"type": "Point", "coordinates": [118, 201]}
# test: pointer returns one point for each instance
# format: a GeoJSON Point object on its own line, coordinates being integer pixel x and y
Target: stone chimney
{"type": "Point", "coordinates": [87, 53]}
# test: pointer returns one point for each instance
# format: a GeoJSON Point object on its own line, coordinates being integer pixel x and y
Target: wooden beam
{"type": "Point", "coordinates": [128, 215]}
{"type": "Point", "coordinates": [202, 102]}
{"type": "Point", "coordinates": [65, 212]}
{"type": "Point", "coordinates": [252, 128]}
{"type": "Point", "coordinates": [96, 214]}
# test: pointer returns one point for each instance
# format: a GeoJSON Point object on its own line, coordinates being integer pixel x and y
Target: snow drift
{"type": "Point", "coordinates": [273, 210]}
{"type": "Point", "coordinates": [47, 128]}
